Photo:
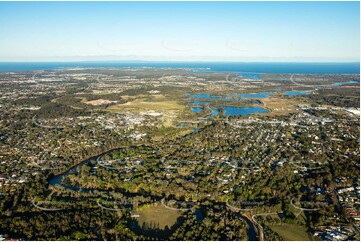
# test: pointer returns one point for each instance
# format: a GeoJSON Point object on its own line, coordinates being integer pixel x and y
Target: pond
{"type": "Point", "coordinates": [199, 215]}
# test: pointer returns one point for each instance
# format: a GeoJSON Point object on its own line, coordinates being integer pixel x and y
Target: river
{"type": "Point", "coordinates": [56, 180]}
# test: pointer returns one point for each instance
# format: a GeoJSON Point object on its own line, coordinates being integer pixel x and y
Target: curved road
{"type": "Point", "coordinates": [174, 209]}
{"type": "Point", "coordinates": [45, 209]}
{"type": "Point", "coordinates": [261, 234]}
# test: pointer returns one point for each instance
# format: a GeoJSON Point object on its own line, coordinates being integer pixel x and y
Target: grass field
{"type": "Point", "coordinates": [279, 106]}
{"type": "Point", "coordinates": [97, 101]}
{"type": "Point", "coordinates": [291, 232]}
{"type": "Point", "coordinates": [157, 214]}
{"type": "Point", "coordinates": [158, 103]}
{"type": "Point", "coordinates": [148, 105]}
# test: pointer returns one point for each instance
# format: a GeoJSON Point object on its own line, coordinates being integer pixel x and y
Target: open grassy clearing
{"type": "Point", "coordinates": [148, 105]}
{"type": "Point", "coordinates": [279, 106]}
{"type": "Point", "coordinates": [291, 232]}
{"type": "Point", "coordinates": [98, 102]}
{"type": "Point", "coordinates": [158, 103]}
{"type": "Point", "coordinates": [157, 214]}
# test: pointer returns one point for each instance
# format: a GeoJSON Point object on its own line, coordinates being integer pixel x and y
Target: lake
{"type": "Point", "coordinates": [250, 75]}
{"type": "Point", "coordinates": [197, 109]}
{"type": "Point", "coordinates": [244, 111]}
{"type": "Point", "coordinates": [228, 110]}
{"type": "Point", "coordinates": [230, 97]}
{"type": "Point", "coordinates": [296, 93]}
{"type": "Point", "coordinates": [210, 97]}
{"type": "Point", "coordinates": [255, 95]}
{"type": "Point", "coordinates": [345, 83]}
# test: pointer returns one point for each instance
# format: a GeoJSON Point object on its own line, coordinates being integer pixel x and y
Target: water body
{"type": "Point", "coordinates": [182, 125]}
{"type": "Point", "coordinates": [230, 97]}
{"type": "Point", "coordinates": [197, 109]}
{"type": "Point", "coordinates": [57, 179]}
{"type": "Point", "coordinates": [214, 113]}
{"type": "Point", "coordinates": [250, 75]}
{"type": "Point", "coordinates": [345, 83]}
{"type": "Point", "coordinates": [210, 97]}
{"type": "Point", "coordinates": [255, 95]}
{"type": "Point", "coordinates": [251, 230]}
{"type": "Point", "coordinates": [296, 93]}
{"type": "Point", "coordinates": [228, 110]}
{"type": "Point", "coordinates": [251, 69]}
{"type": "Point", "coordinates": [199, 215]}
{"type": "Point", "coordinates": [244, 111]}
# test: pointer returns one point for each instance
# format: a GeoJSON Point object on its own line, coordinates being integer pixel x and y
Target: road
{"type": "Point", "coordinates": [260, 228]}
{"type": "Point", "coordinates": [174, 209]}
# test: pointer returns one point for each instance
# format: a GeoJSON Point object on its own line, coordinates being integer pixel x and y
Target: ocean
{"type": "Point", "coordinates": [234, 67]}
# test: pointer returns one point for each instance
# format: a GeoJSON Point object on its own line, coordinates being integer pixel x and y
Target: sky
{"type": "Point", "coordinates": [180, 31]}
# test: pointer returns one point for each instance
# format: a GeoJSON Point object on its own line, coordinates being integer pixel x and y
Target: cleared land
{"type": "Point", "coordinates": [99, 102]}
{"type": "Point", "coordinates": [291, 232]}
{"type": "Point", "coordinates": [169, 108]}
{"type": "Point", "coordinates": [279, 106]}
{"type": "Point", "coordinates": [157, 214]}
{"type": "Point", "coordinates": [151, 105]}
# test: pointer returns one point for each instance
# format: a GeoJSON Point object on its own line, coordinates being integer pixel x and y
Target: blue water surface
{"type": "Point", "coordinates": [230, 97]}
{"type": "Point", "coordinates": [345, 83]}
{"type": "Point", "coordinates": [296, 93]}
{"type": "Point", "coordinates": [248, 69]}
{"type": "Point", "coordinates": [210, 97]}
{"type": "Point", "coordinates": [256, 95]}
{"type": "Point", "coordinates": [214, 113]}
{"type": "Point", "coordinates": [197, 109]}
{"type": "Point", "coordinates": [250, 75]}
{"type": "Point", "coordinates": [244, 111]}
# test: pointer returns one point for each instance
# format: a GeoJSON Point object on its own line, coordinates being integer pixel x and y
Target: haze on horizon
{"type": "Point", "coordinates": [180, 31]}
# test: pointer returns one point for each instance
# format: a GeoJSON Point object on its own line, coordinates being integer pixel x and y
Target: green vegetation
{"type": "Point", "coordinates": [295, 170]}
{"type": "Point", "coordinates": [156, 214]}
{"type": "Point", "coordinates": [291, 232]}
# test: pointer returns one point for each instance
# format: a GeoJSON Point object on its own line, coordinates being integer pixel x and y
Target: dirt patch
{"type": "Point", "coordinates": [100, 102]}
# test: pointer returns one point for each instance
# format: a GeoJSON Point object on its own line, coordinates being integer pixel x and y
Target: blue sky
{"type": "Point", "coordinates": [228, 31]}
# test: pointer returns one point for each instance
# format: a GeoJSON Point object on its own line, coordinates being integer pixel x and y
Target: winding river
{"type": "Point", "coordinates": [56, 180]}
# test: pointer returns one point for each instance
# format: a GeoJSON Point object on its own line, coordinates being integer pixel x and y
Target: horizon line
{"type": "Point", "coordinates": [175, 61]}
